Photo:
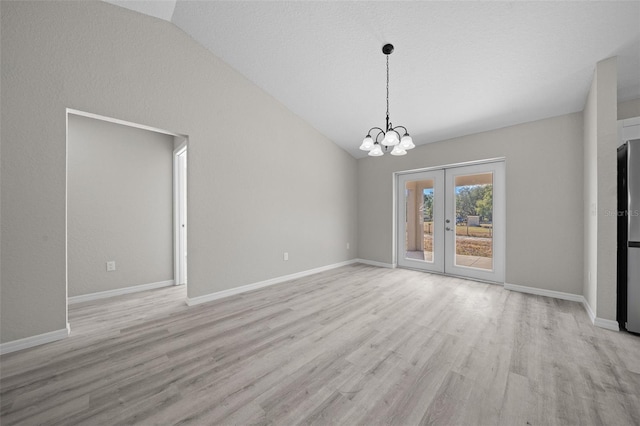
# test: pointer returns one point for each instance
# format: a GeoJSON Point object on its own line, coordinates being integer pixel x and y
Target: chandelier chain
{"type": "Point", "coordinates": [387, 92]}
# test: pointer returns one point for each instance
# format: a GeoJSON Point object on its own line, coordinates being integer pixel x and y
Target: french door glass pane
{"type": "Point", "coordinates": [419, 200]}
{"type": "Point", "coordinates": [474, 221]}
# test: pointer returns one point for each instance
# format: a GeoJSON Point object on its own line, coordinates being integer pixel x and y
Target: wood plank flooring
{"type": "Point", "coordinates": [354, 345]}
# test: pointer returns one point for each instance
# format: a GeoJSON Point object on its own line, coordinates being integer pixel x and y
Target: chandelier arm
{"type": "Point", "coordinates": [374, 128]}
{"type": "Point", "coordinates": [406, 132]}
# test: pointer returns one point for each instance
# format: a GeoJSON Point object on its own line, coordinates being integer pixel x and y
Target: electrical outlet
{"type": "Point", "coordinates": [285, 256]}
{"type": "Point", "coordinates": [347, 246]}
{"type": "Point", "coordinates": [111, 265]}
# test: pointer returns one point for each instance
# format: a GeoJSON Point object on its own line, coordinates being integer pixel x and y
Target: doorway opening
{"type": "Point", "coordinates": [451, 220]}
{"type": "Point", "coordinates": [120, 207]}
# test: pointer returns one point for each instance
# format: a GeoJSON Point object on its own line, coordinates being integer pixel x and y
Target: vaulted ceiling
{"type": "Point", "coordinates": [458, 67]}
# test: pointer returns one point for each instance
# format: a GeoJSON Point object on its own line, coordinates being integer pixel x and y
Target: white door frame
{"type": "Point", "coordinates": [499, 232]}
{"type": "Point", "coordinates": [179, 251]}
{"type": "Point", "coordinates": [437, 264]}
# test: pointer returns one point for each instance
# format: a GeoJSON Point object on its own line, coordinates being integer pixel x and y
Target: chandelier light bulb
{"type": "Point", "coordinates": [390, 138]}
{"type": "Point", "coordinates": [376, 151]}
{"type": "Point", "coordinates": [406, 142]}
{"type": "Point", "coordinates": [398, 150]}
{"type": "Point", "coordinates": [367, 143]}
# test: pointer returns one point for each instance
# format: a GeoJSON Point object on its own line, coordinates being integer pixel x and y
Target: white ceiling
{"type": "Point", "coordinates": [458, 67]}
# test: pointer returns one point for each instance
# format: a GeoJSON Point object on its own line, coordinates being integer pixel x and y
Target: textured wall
{"type": "Point", "coordinates": [543, 197]}
{"type": "Point", "coordinates": [261, 180]}
{"type": "Point", "coordinates": [600, 189]}
{"type": "Point", "coordinates": [607, 131]}
{"type": "Point", "coordinates": [590, 191]}
{"type": "Point", "coordinates": [119, 206]}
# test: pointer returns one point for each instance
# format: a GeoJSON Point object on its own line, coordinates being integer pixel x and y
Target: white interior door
{"type": "Point", "coordinates": [452, 221]}
{"type": "Point", "coordinates": [180, 215]}
{"type": "Point", "coordinates": [420, 210]}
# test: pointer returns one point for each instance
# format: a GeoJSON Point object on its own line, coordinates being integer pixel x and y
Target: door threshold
{"type": "Point", "coordinates": [444, 274]}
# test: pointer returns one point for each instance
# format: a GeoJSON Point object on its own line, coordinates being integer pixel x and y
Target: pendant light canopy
{"type": "Point", "coordinates": [378, 141]}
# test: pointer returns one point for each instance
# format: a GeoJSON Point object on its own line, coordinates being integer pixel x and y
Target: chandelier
{"type": "Point", "coordinates": [389, 137]}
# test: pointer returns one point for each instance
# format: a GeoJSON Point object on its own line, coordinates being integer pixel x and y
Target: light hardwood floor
{"type": "Point", "coordinates": [355, 345]}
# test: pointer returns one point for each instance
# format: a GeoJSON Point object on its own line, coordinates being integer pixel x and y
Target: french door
{"type": "Point", "coordinates": [420, 215]}
{"type": "Point", "coordinates": [452, 221]}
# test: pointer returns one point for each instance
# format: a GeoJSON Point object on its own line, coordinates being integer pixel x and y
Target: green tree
{"type": "Point", "coordinates": [484, 206]}
{"type": "Point", "coordinates": [475, 200]}
{"type": "Point", "coordinates": [465, 202]}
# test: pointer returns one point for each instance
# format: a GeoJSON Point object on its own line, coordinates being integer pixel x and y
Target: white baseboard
{"type": "Point", "coordinates": [543, 292]}
{"type": "Point", "coordinates": [605, 323]}
{"type": "Point", "coordinates": [29, 342]}
{"type": "Point", "coordinates": [242, 289]}
{"type": "Point", "coordinates": [376, 263]}
{"type": "Point", "coordinates": [598, 322]}
{"type": "Point", "coordinates": [118, 292]}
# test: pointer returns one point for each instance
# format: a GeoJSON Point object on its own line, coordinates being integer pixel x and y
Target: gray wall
{"type": "Point", "coordinates": [607, 71]}
{"type": "Point", "coordinates": [543, 195]}
{"type": "Point", "coordinates": [119, 206]}
{"type": "Point", "coordinates": [629, 109]}
{"type": "Point", "coordinates": [601, 141]}
{"type": "Point", "coordinates": [261, 180]}
{"type": "Point", "coordinates": [590, 196]}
